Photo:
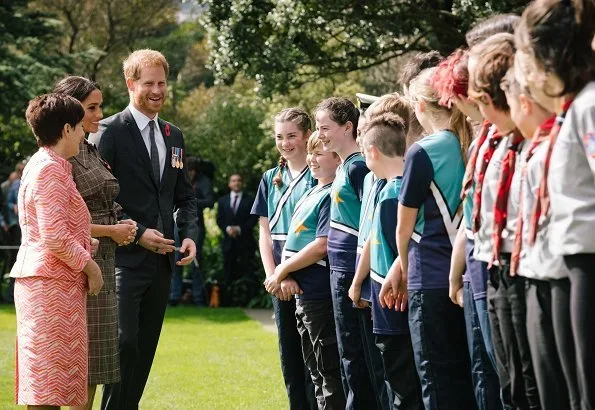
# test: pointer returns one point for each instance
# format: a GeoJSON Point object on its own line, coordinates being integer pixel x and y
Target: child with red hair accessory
{"type": "Point", "coordinates": [452, 77]}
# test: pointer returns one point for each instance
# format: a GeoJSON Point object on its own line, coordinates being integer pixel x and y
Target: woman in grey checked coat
{"type": "Point", "coordinates": [99, 188]}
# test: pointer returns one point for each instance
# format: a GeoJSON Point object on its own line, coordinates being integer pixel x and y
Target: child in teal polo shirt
{"type": "Point", "coordinates": [384, 141]}
{"type": "Point", "coordinates": [305, 258]}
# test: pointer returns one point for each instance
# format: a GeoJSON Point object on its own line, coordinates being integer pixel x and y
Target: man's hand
{"type": "Point", "coordinates": [455, 291]}
{"type": "Point", "coordinates": [188, 248]}
{"type": "Point", "coordinates": [154, 241]}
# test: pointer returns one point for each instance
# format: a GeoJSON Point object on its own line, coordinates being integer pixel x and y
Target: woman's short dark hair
{"type": "Point", "coordinates": [75, 86]}
{"type": "Point", "coordinates": [500, 23]}
{"type": "Point", "coordinates": [558, 34]}
{"type": "Point", "coordinates": [340, 110]}
{"type": "Point", "coordinates": [417, 63]}
{"type": "Point", "coordinates": [49, 113]}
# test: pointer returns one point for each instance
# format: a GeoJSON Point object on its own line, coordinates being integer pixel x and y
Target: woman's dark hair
{"type": "Point", "coordinates": [558, 35]}
{"type": "Point", "coordinates": [340, 110]}
{"type": "Point", "coordinates": [500, 23]}
{"type": "Point", "coordinates": [49, 113]}
{"type": "Point", "coordinates": [416, 64]}
{"type": "Point", "coordinates": [75, 86]}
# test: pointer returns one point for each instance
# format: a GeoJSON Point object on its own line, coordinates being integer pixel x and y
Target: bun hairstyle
{"type": "Point", "coordinates": [558, 36]}
{"type": "Point", "coordinates": [452, 77]}
{"type": "Point", "coordinates": [421, 89]}
{"type": "Point", "coordinates": [500, 23]}
{"type": "Point", "coordinates": [341, 110]}
{"type": "Point", "coordinates": [300, 118]}
{"type": "Point", "coordinates": [75, 86]}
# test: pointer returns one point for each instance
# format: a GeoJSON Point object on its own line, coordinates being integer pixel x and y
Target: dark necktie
{"type": "Point", "coordinates": [155, 166]}
{"type": "Point", "coordinates": [154, 153]}
{"type": "Point", "coordinates": [234, 206]}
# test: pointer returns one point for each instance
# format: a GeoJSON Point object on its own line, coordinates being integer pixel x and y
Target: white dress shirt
{"type": "Point", "coordinates": [232, 196]}
{"type": "Point", "coordinates": [142, 122]}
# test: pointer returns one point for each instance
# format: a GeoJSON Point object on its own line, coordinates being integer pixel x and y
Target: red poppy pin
{"type": "Point", "coordinates": [167, 130]}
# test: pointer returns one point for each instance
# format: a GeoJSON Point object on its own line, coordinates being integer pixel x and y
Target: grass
{"type": "Point", "coordinates": [206, 359]}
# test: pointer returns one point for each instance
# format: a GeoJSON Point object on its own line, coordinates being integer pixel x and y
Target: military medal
{"type": "Point", "coordinates": [174, 157]}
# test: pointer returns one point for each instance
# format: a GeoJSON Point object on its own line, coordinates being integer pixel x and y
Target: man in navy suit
{"type": "Point", "coordinates": [237, 223]}
{"type": "Point", "coordinates": [146, 155]}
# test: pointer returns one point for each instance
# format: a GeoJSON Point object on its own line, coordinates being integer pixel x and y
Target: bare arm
{"type": "Point", "coordinates": [361, 273]}
{"type": "Point", "coordinates": [406, 223]}
{"type": "Point", "coordinates": [265, 245]}
{"type": "Point", "coordinates": [457, 267]}
{"type": "Point", "coordinates": [309, 255]}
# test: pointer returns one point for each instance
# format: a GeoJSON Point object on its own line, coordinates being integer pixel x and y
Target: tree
{"type": "Point", "coordinates": [286, 43]}
{"type": "Point", "coordinates": [28, 63]}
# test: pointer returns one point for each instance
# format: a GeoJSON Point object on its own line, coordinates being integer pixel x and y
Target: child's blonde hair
{"type": "Point", "coordinates": [421, 89]}
{"type": "Point", "coordinates": [314, 143]}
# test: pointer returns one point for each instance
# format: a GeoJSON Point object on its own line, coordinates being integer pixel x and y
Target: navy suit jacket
{"type": "Point", "coordinates": [120, 143]}
{"type": "Point", "coordinates": [242, 218]}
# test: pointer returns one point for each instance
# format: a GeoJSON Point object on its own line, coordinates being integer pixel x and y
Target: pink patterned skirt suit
{"type": "Point", "coordinates": [50, 287]}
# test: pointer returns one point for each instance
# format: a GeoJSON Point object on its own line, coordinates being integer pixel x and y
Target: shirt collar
{"type": "Point", "coordinates": [57, 158]}
{"type": "Point", "coordinates": [141, 119]}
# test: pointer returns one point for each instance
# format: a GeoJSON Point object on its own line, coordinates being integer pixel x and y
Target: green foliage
{"type": "Point", "coordinates": [206, 359]}
{"type": "Point", "coordinates": [284, 44]}
{"type": "Point", "coordinates": [223, 124]}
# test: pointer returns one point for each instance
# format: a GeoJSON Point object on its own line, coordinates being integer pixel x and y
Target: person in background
{"type": "Point", "coordinates": [12, 223]}
{"type": "Point", "coordinates": [237, 224]}
{"type": "Point", "coordinates": [201, 178]}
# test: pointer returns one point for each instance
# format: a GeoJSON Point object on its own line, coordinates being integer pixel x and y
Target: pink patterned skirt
{"type": "Point", "coordinates": [52, 347]}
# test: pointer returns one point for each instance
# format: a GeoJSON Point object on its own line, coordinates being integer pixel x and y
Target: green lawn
{"type": "Point", "coordinates": [206, 359]}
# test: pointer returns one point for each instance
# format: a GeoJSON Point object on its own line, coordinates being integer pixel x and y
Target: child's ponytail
{"type": "Point", "coordinates": [278, 178]}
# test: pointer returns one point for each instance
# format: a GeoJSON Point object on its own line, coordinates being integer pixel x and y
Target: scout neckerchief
{"type": "Point", "coordinates": [541, 134]}
{"type": "Point", "coordinates": [493, 142]}
{"type": "Point", "coordinates": [503, 190]}
{"type": "Point", "coordinates": [542, 202]}
{"type": "Point", "coordinates": [470, 169]}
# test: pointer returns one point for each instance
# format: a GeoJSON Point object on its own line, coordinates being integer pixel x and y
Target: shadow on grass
{"type": "Point", "coordinates": [217, 315]}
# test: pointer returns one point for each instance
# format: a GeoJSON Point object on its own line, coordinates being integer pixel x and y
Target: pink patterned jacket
{"type": "Point", "coordinates": [54, 219]}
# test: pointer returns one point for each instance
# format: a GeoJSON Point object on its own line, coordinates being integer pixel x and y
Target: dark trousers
{"type": "Point", "coordinates": [483, 373]}
{"type": "Point", "coordinates": [399, 370]}
{"type": "Point", "coordinates": [582, 295]}
{"type": "Point", "coordinates": [298, 383]}
{"type": "Point", "coordinates": [373, 358]}
{"type": "Point", "coordinates": [354, 373]}
{"type": "Point", "coordinates": [177, 280]}
{"type": "Point", "coordinates": [551, 341]}
{"type": "Point", "coordinates": [508, 316]}
{"type": "Point", "coordinates": [316, 325]}
{"type": "Point", "coordinates": [142, 298]}
{"type": "Point", "coordinates": [437, 329]}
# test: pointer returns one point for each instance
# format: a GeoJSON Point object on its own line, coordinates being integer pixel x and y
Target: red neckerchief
{"type": "Point", "coordinates": [503, 190]}
{"type": "Point", "coordinates": [542, 202]}
{"type": "Point", "coordinates": [541, 134]}
{"type": "Point", "coordinates": [470, 169]}
{"type": "Point", "coordinates": [493, 142]}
